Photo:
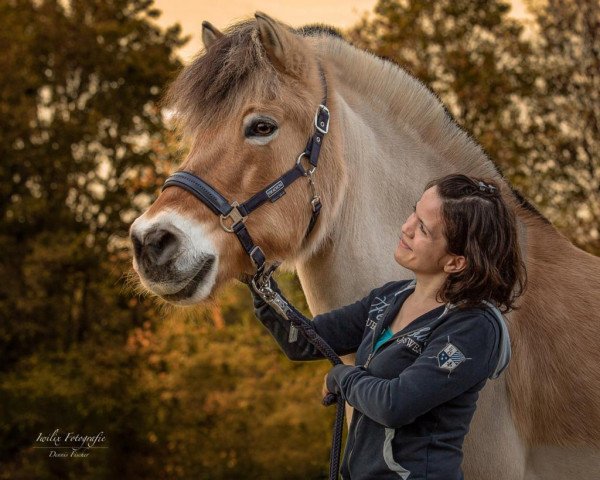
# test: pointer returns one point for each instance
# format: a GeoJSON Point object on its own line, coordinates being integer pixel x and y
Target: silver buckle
{"type": "Point", "coordinates": [251, 254]}
{"type": "Point", "coordinates": [235, 216]}
{"type": "Point", "coordinates": [324, 127]}
{"type": "Point", "coordinates": [306, 172]}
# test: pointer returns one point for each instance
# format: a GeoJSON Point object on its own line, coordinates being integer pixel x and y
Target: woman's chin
{"type": "Point", "coordinates": [399, 260]}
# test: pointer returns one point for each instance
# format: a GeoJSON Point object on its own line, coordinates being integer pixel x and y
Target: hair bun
{"type": "Point", "coordinates": [484, 187]}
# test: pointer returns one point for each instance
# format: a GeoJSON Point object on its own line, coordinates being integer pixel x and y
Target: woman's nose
{"type": "Point", "coordinates": [407, 228]}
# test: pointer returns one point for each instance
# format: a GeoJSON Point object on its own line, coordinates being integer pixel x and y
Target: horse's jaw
{"type": "Point", "coordinates": [174, 257]}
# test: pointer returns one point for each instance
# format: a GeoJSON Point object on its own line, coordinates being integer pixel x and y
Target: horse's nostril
{"type": "Point", "coordinates": [137, 245]}
{"type": "Point", "coordinates": [159, 246]}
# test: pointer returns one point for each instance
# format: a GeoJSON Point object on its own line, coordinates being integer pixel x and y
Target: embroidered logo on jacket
{"type": "Point", "coordinates": [378, 307]}
{"type": "Point", "coordinates": [415, 340]}
{"type": "Point", "coordinates": [450, 357]}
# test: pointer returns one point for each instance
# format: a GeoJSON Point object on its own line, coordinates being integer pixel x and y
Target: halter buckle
{"type": "Point", "coordinates": [234, 215]}
{"type": "Point", "coordinates": [306, 172]}
{"type": "Point", "coordinates": [322, 119]}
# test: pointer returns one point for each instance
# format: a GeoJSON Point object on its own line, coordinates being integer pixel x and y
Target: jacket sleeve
{"type": "Point", "coordinates": [470, 342]}
{"type": "Point", "coordinates": [342, 328]}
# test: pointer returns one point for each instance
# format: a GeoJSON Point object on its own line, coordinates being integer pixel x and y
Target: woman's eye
{"type": "Point", "coordinates": [422, 228]}
{"type": "Point", "coordinates": [260, 129]}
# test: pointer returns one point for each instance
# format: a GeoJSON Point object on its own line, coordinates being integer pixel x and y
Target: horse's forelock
{"type": "Point", "coordinates": [218, 81]}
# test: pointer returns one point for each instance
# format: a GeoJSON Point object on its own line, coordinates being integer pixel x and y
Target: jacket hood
{"type": "Point", "coordinates": [505, 349]}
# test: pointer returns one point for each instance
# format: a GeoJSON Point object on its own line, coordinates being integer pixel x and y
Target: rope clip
{"type": "Point", "coordinates": [261, 284]}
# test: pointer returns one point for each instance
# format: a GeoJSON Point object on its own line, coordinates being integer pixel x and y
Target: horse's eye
{"type": "Point", "coordinates": [260, 128]}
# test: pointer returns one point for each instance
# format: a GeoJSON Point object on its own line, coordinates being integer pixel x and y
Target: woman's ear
{"type": "Point", "coordinates": [455, 263]}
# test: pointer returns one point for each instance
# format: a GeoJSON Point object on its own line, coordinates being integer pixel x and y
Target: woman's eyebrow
{"type": "Point", "coordinates": [420, 219]}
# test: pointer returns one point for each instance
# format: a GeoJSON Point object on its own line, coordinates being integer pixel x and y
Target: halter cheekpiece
{"type": "Point", "coordinates": [233, 215]}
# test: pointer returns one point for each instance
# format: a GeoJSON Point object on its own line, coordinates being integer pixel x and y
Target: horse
{"type": "Point", "coordinates": [246, 106]}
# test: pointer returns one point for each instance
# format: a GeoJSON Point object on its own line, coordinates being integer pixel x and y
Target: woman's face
{"type": "Point", "coordinates": [423, 247]}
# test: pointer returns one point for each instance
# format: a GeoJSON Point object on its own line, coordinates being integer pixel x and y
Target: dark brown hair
{"type": "Point", "coordinates": [481, 227]}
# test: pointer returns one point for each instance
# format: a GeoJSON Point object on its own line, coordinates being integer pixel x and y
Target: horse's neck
{"type": "Point", "coordinates": [391, 150]}
{"type": "Point", "coordinates": [359, 253]}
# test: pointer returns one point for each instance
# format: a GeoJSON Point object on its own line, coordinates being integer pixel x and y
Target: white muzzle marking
{"type": "Point", "coordinates": [195, 246]}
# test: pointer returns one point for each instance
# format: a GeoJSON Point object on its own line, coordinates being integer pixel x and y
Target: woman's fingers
{"type": "Point", "coordinates": [325, 391]}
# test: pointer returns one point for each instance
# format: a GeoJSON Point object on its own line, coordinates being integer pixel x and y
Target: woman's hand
{"type": "Point", "coordinates": [325, 391]}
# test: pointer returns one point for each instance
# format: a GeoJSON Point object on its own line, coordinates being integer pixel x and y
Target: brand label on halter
{"type": "Point", "coordinates": [275, 191]}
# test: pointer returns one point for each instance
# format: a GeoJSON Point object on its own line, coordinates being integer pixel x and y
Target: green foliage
{"type": "Point", "coordinates": [79, 118]}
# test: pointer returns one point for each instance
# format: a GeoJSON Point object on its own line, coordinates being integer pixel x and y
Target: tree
{"type": "Point", "coordinates": [465, 52]}
{"type": "Point", "coordinates": [83, 150]}
{"type": "Point", "coordinates": [79, 125]}
{"type": "Point", "coordinates": [78, 97]}
{"type": "Point", "coordinates": [564, 118]}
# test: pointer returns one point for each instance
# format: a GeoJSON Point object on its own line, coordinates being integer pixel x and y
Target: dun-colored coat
{"type": "Point", "coordinates": [389, 136]}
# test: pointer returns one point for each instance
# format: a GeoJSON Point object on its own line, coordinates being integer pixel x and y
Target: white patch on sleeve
{"type": "Point", "coordinates": [450, 357]}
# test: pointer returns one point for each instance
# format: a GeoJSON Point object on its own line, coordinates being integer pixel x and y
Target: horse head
{"type": "Point", "coordinates": [246, 107]}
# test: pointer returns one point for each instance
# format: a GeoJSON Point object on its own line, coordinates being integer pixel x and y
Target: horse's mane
{"type": "Point", "coordinates": [236, 66]}
{"type": "Point", "coordinates": [414, 104]}
{"type": "Point", "coordinates": [316, 29]}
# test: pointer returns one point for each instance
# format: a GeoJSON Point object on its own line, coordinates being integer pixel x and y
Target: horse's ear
{"type": "Point", "coordinates": [281, 44]}
{"type": "Point", "coordinates": [210, 34]}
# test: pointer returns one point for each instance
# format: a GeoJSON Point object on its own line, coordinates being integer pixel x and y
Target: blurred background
{"type": "Point", "coordinates": [203, 393]}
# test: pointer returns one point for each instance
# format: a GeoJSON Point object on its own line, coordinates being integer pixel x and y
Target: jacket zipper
{"type": "Point", "coordinates": [372, 354]}
{"type": "Point", "coordinates": [386, 344]}
{"type": "Point", "coordinates": [354, 442]}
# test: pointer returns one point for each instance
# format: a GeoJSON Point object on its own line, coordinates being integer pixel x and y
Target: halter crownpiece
{"type": "Point", "coordinates": [233, 215]}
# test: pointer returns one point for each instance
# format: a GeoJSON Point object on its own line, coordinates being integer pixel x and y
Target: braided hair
{"type": "Point", "coordinates": [480, 226]}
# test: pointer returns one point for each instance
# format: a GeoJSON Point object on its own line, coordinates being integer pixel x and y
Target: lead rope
{"type": "Point", "coordinates": [261, 284]}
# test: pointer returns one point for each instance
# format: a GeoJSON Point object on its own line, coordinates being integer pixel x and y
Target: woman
{"type": "Point", "coordinates": [424, 348]}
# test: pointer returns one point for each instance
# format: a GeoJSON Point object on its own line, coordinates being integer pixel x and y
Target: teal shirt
{"type": "Point", "coordinates": [384, 337]}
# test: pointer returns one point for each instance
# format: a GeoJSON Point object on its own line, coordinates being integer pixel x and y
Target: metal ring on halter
{"type": "Point", "coordinates": [235, 217]}
{"type": "Point", "coordinates": [305, 172]}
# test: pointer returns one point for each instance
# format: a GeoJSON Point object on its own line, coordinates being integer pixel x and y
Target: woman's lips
{"type": "Point", "coordinates": [404, 245]}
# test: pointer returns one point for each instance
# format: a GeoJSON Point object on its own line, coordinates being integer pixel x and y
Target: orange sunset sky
{"type": "Point", "coordinates": [339, 13]}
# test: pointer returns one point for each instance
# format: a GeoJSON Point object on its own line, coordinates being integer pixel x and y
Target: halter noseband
{"type": "Point", "coordinates": [238, 213]}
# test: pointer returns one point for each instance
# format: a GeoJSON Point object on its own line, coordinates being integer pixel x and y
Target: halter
{"type": "Point", "coordinates": [236, 214]}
